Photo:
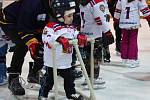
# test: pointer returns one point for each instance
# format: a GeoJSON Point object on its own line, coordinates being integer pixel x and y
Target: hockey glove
{"type": "Point", "coordinates": [107, 38]}
{"type": "Point", "coordinates": [82, 40]}
{"type": "Point", "coordinates": [67, 48]}
{"type": "Point", "coordinates": [36, 50]}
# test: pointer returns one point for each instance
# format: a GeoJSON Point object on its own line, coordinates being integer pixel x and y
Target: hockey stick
{"type": "Point", "coordinates": [92, 94]}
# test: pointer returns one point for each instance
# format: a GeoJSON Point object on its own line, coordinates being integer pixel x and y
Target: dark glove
{"type": "Point", "coordinates": [82, 40]}
{"type": "Point", "coordinates": [107, 38]}
{"type": "Point", "coordinates": [36, 50]}
{"type": "Point", "coordinates": [67, 48]}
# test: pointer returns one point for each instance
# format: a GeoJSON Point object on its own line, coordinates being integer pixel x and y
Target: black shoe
{"type": "Point", "coordinates": [118, 47]}
{"type": "Point", "coordinates": [34, 78]}
{"type": "Point", "coordinates": [77, 73]}
{"type": "Point", "coordinates": [75, 97]}
{"type": "Point", "coordinates": [15, 87]}
{"type": "Point", "coordinates": [107, 57]}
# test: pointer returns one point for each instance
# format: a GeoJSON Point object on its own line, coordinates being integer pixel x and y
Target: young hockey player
{"type": "Point", "coordinates": [61, 31]}
{"type": "Point", "coordinates": [106, 52]}
{"type": "Point", "coordinates": [93, 24]}
{"type": "Point", "coordinates": [128, 16]}
{"type": "Point", "coordinates": [76, 22]}
{"type": "Point", "coordinates": [112, 6]}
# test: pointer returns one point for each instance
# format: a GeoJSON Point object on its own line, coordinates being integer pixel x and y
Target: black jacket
{"type": "Point", "coordinates": [28, 16]}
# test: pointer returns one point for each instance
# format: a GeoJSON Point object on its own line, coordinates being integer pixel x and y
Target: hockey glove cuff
{"type": "Point", "coordinates": [32, 46]}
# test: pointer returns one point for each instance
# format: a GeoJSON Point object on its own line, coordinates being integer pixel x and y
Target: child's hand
{"type": "Point", "coordinates": [67, 48]}
{"type": "Point", "coordinates": [82, 40]}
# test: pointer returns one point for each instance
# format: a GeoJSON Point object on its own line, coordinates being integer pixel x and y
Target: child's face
{"type": "Point", "coordinates": [102, 8]}
{"type": "Point", "coordinates": [68, 19]}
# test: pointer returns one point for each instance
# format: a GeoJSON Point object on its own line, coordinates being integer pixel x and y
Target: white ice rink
{"type": "Point", "coordinates": [118, 87]}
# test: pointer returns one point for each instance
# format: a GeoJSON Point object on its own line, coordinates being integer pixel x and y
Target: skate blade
{"type": "Point", "coordinates": [95, 87]}
{"type": "Point", "coordinates": [32, 86]}
{"type": "Point", "coordinates": [25, 97]}
{"type": "Point", "coordinates": [18, 97]}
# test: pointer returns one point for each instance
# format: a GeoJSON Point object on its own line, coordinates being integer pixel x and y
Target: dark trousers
{"type": "Point", "coordinates": [19, 51]}
{"type": "Point", "coordinates": [118, 37]}
{"type": "Point", "coordinates": [86, 56]}
{"type": "Point", "coordinates": [48, 81]}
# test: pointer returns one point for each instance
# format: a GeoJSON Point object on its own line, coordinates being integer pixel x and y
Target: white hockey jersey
{"type": "Point", "coordinates": [93, 22]}
{"type": "Point", "coordinates": [51, 32]}
{"type": "Point", "coordinates": [128, 13]}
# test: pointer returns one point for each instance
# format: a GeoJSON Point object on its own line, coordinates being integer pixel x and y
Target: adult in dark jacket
{"type": "Point", "coordinates": [23, 22]}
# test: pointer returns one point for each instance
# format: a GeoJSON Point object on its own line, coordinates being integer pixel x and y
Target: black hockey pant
{"type": "Point", "coordinates": [86, 56]}
{"type": "Point", "coordinates": [48, 81]}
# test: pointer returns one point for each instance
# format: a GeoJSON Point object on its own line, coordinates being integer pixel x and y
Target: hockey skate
{"type": "Point", "coordinates": [75, 97]}
{"type": "Point", "coordinates": [98, 83]}
{"type": "Point", "coordinates": [107, 58]}
{"type": "Point", "coordinates": [42, 98]}
{"type": "Point", "coordinates": [33, 79]}
{"type": "Point", "coordinates": [15, 85]}
{"type": "Point", "coordinates": [4, 82]}
{"type": "Point", "coordinates": [118, 51]}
